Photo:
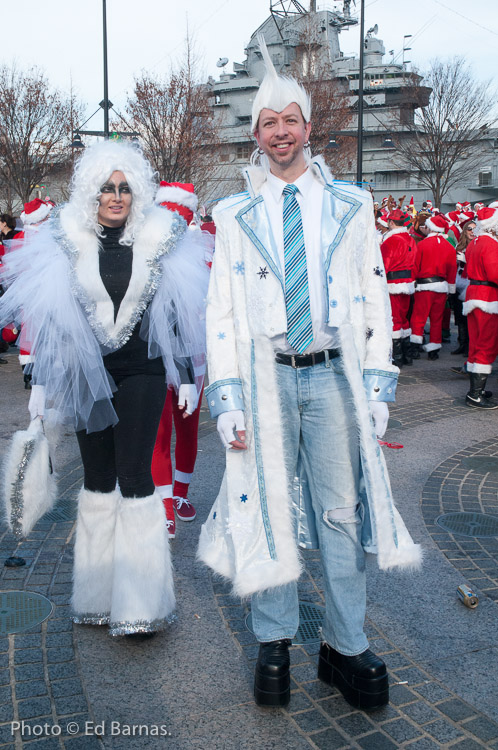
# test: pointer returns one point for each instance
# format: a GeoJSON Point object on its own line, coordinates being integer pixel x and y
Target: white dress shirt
{"type": "Point", "coordinates": [310, 199]}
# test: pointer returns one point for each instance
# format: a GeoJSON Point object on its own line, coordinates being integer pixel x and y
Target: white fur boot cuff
{"type": "Point", "coordinates": [142, 592]}
{"type": "Point", "coordinates": [94, 557]}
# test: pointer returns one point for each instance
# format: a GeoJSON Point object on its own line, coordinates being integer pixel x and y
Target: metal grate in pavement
{"type": "Point", "coordinates": [310, 623]}
{"type": "Point", "coordinates": [20, 610]}
{"type": "Point", "coordinates": [469, 524]}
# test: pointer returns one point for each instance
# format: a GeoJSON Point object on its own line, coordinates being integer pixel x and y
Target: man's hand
{"type": "Point", "coordinates": [187, 399]}
{"type": "Point", "coordinates": [36, 404]}
{"type": "Point", "coordinates": [380, 416]}
{"type": "Point", "coordinates": [232, 430]}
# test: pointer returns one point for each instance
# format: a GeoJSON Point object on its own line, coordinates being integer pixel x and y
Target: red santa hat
{"type": "Point", "coordinates": [453, 217]}
{"type": "Point", "coordinates": [35, 211]}
{"type": "Point", "coordinates": [488, 218]}
{"type": "Point", "coordinates": [437, 223]}
{"type": "Point", "coordinates": [382, 220]}
{"type": "Point", "coordinates": [179, 197]}
{"type": "Point", "coordinates": [465, 216]}
{"type": "Point", "coordinates": [478, 206]}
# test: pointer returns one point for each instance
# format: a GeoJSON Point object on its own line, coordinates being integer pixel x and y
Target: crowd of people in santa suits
{"type": "Point", "coordinates": [437, 263]}
{"type": "Point", "coordinates": [181, 198]}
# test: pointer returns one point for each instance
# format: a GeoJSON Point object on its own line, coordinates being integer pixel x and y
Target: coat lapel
{"type": "Point", "coordinates": [254, 221]}
{"type": "Point", "coordinates": [337, 211]}
{"type": "Point", "coordinates": [161, 229]}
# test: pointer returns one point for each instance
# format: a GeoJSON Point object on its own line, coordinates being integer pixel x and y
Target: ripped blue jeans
{"type": "Point", "coordinates": [319, 425]}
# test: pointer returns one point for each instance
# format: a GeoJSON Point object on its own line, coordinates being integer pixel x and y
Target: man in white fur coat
{"type": "Point", "coordinates": [299, 339]}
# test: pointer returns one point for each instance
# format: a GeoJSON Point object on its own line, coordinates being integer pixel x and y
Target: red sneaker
{"type": "Point", "coordinates": [170, 517]}
{"type": "Point", "coordinates": [184, 509]}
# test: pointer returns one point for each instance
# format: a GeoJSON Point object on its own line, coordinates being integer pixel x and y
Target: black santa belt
{"type": "Point", "coordinates": [474, 282]}
{"type": "Point", "coordinates": [391, 275]}
{"type": "Point", "coordinates": [430, 280]}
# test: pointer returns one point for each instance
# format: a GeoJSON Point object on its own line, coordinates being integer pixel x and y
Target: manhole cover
{"type": "Point", "coordinates": [469, 524]}
{"type": "Point", "coordinates": [394, 424]}
{"type": "Point", "coordinates": [310, 622]}
{"type": "Point", "coordinates": [481, 464]}
{"type": "Point", "coordinates": [20, 610]}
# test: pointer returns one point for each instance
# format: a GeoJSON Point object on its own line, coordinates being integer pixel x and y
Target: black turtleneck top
{"type": "Point", "coordinates": [115, 263]}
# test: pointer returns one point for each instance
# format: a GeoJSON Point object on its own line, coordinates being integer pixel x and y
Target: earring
{"type": "Point", "coordinates": [260, 151]}
{"type": "Point", "coordinates": [307, 144]}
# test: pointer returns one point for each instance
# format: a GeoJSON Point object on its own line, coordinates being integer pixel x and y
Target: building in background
{"type": "Point", "coordinates": [306, 40]}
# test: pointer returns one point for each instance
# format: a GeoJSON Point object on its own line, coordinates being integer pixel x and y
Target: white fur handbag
{"type": "Point", "coordinates": [29, 481]}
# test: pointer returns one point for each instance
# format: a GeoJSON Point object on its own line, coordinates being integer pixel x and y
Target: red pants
{"type": "Point", "coordinates": [483, 340]}
{"type": "Point", "coordinates": [429, 305]}
{"type": "Point", "coordinates": [400, 304]}
{"type": "Point", "coordinates": [186, 429]}
{"type": "Point", "coordinates": [447, 318]}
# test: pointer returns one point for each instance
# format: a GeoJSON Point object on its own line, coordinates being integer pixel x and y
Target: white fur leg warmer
{"type": "Point", "coordinates": [94, 557]}
{"type": "Point", "coordinates": [142, 592]}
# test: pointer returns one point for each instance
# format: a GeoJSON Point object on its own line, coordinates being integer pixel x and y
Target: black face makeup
{"type": "Point", "coordinates": [110, 187]}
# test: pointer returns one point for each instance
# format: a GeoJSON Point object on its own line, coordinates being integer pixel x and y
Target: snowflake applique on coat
{"type": "Point", "coordinates": [263, 272]}
{"type": "Point", "coordinates": [239, 268]}
{"type": "Point", "coordinates": [369, 333]}
{"type": "Point", "coordinates": [378, 271]}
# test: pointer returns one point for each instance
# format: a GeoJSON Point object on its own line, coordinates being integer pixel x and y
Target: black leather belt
{"type": "Point", "coordinates": [430, 280]}
{"type": "Point", "coordinates": [474, 282]}
{"type": "Point", "coordinates": [305, 360]}
{"type": "Point", "coordinates": [398, 275]}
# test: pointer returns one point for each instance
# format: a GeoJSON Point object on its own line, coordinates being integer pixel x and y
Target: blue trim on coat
{"type": "Point", "coordinates": [255, 239]}
{"type": "Point", "coordinates": [259, 461]}
{"type": "Point", "coordinates": [224, 395]}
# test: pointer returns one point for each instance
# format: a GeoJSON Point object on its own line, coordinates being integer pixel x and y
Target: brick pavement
{"type": "Point", "coordinates": [40, 672]}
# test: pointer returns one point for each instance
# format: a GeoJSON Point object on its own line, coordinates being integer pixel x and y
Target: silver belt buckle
{"type": "Point", "coordinates": [293, 361]}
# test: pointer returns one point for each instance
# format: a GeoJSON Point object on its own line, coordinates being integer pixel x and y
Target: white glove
{"type": "Point", "coordinates": [36, 404]}
{"type": "Point", "coordinates": [229, 424]}
{"type": "Point", "coordinates": [380, 416]}
{"type": "Point", "coordinates": [187, 398]}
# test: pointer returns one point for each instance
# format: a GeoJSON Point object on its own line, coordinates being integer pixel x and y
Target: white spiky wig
{"type": "Point", "coordinates": [95, 166]}
{"type": "Point", "coordinates": [277, 92]}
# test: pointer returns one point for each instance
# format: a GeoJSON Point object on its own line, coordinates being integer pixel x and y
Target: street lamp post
{"type": "Point", "coordinates": [106, 89]}
{"type": "Point", "coordinates": [359, 152]}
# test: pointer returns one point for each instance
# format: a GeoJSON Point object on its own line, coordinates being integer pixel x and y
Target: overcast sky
{"type": "Point", "coordinates": [64, 37]}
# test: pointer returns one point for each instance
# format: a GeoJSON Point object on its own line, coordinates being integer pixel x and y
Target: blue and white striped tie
{"type": "Point", "coordinates": [297, 298]}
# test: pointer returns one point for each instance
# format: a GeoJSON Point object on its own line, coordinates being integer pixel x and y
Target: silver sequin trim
{"type": "Point", "coordinates": [16, 497]}
{"type": "Point", "coordinates": [140, 626]}
{"type": "Point", "coordinates": [178, 228]}
{"type": "Point", "coordinates": [92, 619]}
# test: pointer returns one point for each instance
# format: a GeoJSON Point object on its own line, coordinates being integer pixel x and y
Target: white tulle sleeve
{"type": "Point", "coordinates": [175, 322]}
{"type": "Point", "coordinates": [67, 356]}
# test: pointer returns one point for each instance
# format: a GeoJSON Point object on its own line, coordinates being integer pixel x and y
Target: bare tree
{"type": "Point", "coordinates": [175, 122]}
{"type": "Point", "coordinates": [331, 109]}
{"type": "Point", "coordinates": [35, 124]}
{"type": "Point", "coordinates": [443, 144]}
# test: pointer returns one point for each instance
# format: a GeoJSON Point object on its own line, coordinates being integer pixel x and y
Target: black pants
{"type": "Point", "coordinates": [124, 452]}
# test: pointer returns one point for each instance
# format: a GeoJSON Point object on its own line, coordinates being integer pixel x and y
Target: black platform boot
{"type": "Point", "coordinates": [406, 346]}
{"type": "Point", "coordinates": [475, 397]}
{"type": "Point", "coordinates": [433, 354]}
{"type": "Point", "coordinates": [361, 679]}
{"type": "Point", "coordinates": [397, 353]}
{"type": "Point", "coordinates": [272, 676]}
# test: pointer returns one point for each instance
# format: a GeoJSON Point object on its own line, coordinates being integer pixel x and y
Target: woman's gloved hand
{"type": "Point", "coordinates": [36, 404]}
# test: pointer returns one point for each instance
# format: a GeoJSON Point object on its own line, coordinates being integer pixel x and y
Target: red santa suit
{"type": "Point", "coordinates": [179, 197]}
{"type": "Point", "coordinates": [481, 301]}
{"type": "Point", "coordinates": [435, 270]}
{"type": "Point", "coordinates": [399, 250]}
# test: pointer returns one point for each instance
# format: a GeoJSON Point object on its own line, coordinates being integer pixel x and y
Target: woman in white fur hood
{"type": "Point", "coordinates": [111, 293]}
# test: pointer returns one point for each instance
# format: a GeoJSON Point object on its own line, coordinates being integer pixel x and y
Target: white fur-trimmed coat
{"type": "Point", "coordinates": [248, 535]}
